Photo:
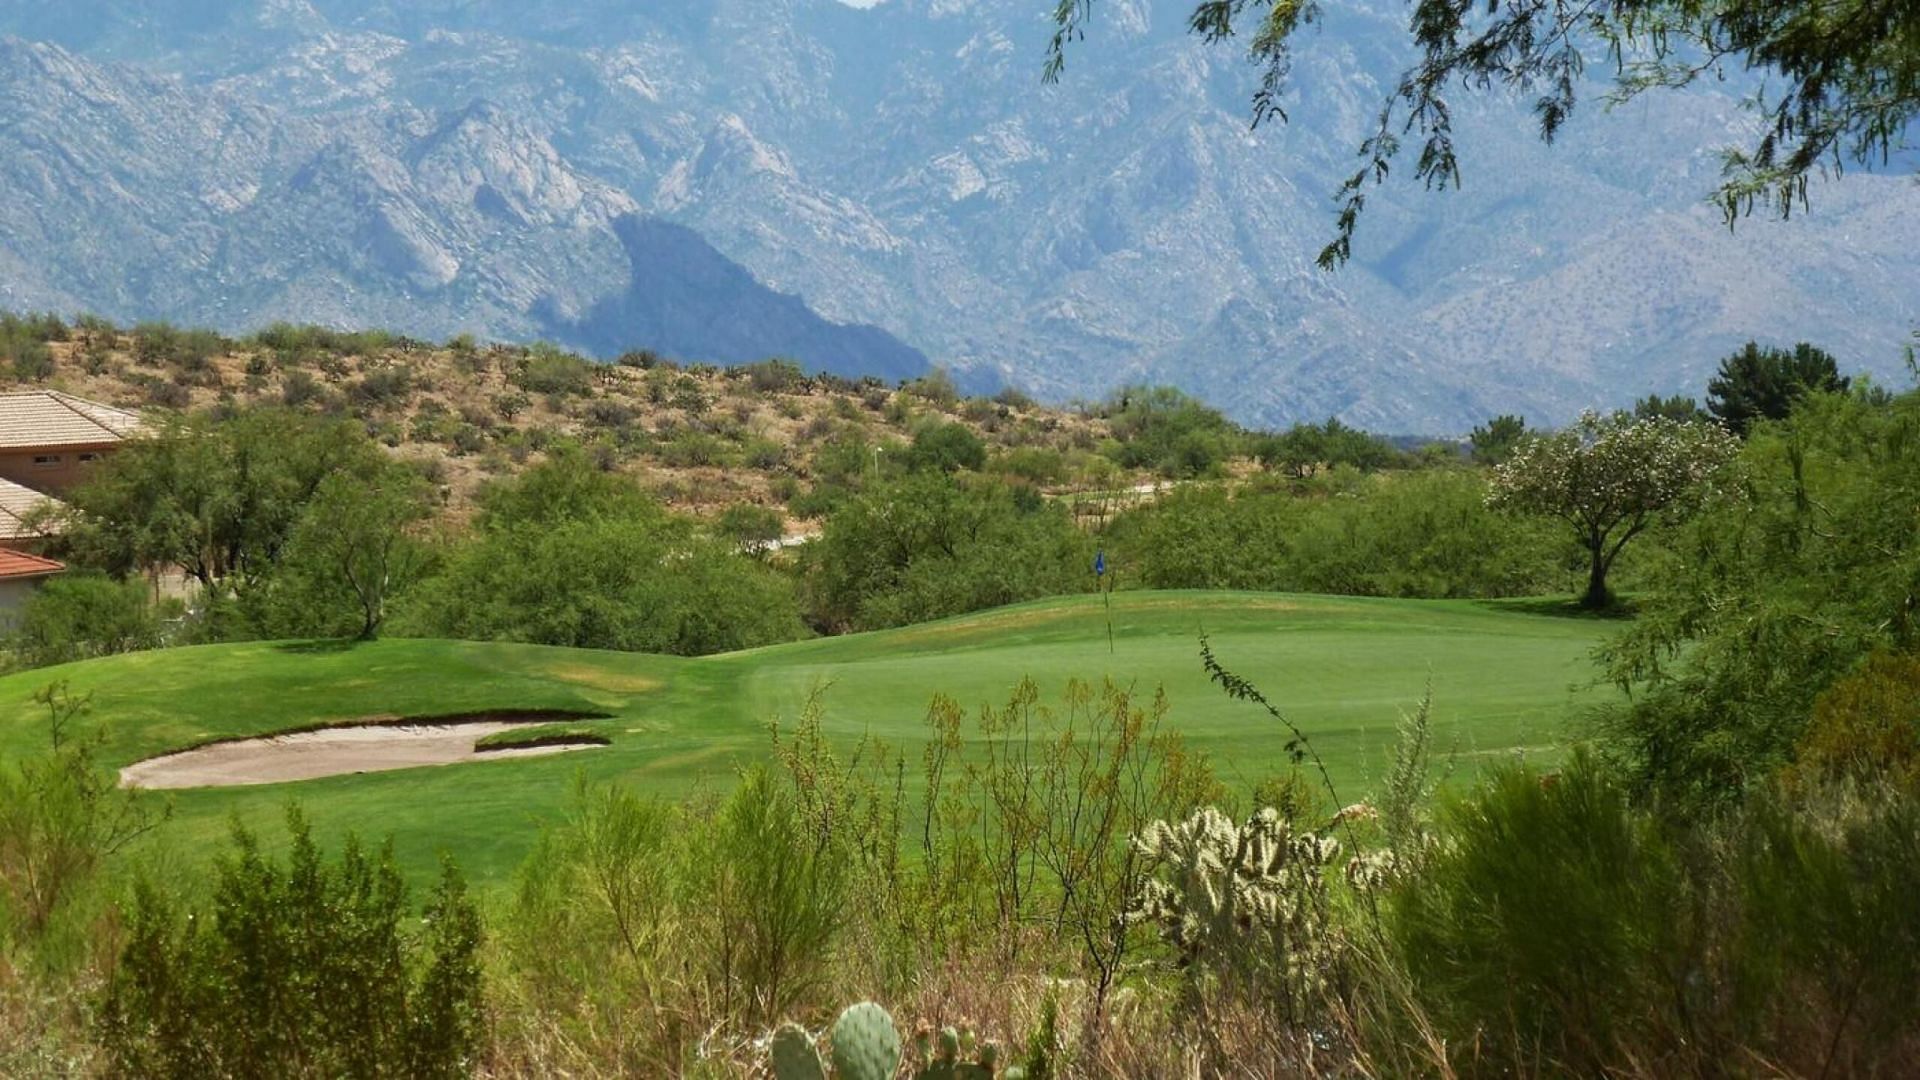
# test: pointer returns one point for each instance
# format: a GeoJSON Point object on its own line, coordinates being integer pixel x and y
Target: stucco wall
{"type": "Point", "coordinates": [55, 477]}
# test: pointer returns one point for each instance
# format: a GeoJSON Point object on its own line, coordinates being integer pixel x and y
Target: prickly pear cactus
{"type": "Point", "coordinates": [794, 1055]}
{"type": "Point", "coordinates": [945, 1063]}
{"type": "Point", "coordinates": [865, 1044]}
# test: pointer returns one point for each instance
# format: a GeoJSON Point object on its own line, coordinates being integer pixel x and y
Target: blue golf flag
{"type": "Point", "coordinates": [1100, 564]}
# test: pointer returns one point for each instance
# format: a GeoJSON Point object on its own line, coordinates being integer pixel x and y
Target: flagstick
{"type": "Point", "coordinates": [1108, 594]}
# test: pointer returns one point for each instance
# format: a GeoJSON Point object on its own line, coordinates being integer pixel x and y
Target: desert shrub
{"type": "Point", "coordinates": [297, 388]}
{"type": "Point", "coordinates": [764, 454]}
{"type": "Point", "coordinates": [383, 387]}
{"type": "Point", "coordinates": [693, 449]}
{"type": "Point", "coordinates": [35, 326]}
{"type": "Point", "coordinates": [775, 376]}
{"type": "Point", "coordinates": [79, 615]}
{"type": "Point", "coordinates": [304, 969]}
{"type": "Point", "coordinates": [1557, 926]}
{"type": "Point", "coordinates": [1034, 464]}
{"type": "Point", "coordinates": [1415, 534]}
{"type": "Point", "coordinates": [846, 459]}
{"type": "Point", "coordinates": [61, 818]}
{"type": "Point", "coordinates": [96, 355]}
{"type": "Point", "coordinates": [689, 396]}
{"type": "Point", "coordinates": [930, 546]}
{"type": "Point", "coordinates": [751, 528]}
{"type": "Point", "coordinates": [1014, 398]}
{"type": "Point", "coordinates": [936, 388]}
{"type": "Point", "coordinates": [1305, 449]}
{"type": "Point", "coordinates": [610, 414]}
{"type": "Point", "coordinates": [1538, 927]}
{"type": "Point", "coordinates": [467, 439]}
{"type": "Point", "coordinates": [1426, 534]}
{"type": "Point", "coordinates": [774, 892]}
{"type": "Point", "coordinates": [29, 359]}
{"type": "Point", "coordinates": [983, 411]}
{"type": "Point", "coordinates": [947, 448]}
{"type": "Point", "coordinates": [568, 554]}
{"type": "Point", "coordinates": [589, 931]}
{"type": "Point", "coordinates": [548, 370]}
{"type": "Point", "coordinates": [163, 344]}
{"type": "Point", "coordinates": [1162, 429]}
{"type": "Point", "coordinates": [1865, 727]}
{"type": "Point", "coordinates": [1207, 538]}
{"type": "Point", "coordinates": [1821, 936]}
{"type": "Point", "coordinates": [168, 395]}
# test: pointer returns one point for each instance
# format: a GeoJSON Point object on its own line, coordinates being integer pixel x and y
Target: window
{"type": "Point", "coordinates": [89, 457]}
{"type": "Point", "coordinates": [45, 461]}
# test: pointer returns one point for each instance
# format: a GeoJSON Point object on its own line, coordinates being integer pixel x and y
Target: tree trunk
{"type": "Point", "coordinates": [1597, 597]}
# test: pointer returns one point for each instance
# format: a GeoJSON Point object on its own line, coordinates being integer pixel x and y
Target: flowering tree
{"type": "Point", "coordinates": [1611, 477]}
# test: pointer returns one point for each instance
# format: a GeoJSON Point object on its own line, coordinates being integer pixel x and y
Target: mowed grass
{"type": "Point", "coordinates": [1506, 679]}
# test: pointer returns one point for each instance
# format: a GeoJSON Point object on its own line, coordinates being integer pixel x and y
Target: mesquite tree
{"type": "Point", "coordinates": [1610, 478]}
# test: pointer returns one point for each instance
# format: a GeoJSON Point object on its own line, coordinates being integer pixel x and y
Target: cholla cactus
{"type": "Point", "coordinates": [1240, 900]}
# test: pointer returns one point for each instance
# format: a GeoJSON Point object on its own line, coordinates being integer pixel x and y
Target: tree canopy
{"type": "Point", "coordinates": [1843, 77]}
{"type": "Point", "coordinates": [1757, 384]}
{"type": "Point", "coordinates": [1610, 478]}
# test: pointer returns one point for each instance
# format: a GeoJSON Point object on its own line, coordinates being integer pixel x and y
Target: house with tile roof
{"type": "Point", "coordinates": [20, 574]}
{"type": "Point", "coordinates": [21, 508]}
{"type": "Point", "coordinates": [49, 440]}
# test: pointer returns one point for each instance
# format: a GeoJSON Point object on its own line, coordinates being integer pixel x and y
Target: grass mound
{"type": "Point", "coordinates": [544, 735]}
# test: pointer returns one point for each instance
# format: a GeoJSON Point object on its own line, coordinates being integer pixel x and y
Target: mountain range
{"type": "Point", "coordinates": [876, 190]}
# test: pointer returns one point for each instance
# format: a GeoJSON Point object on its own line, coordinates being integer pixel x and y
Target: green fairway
{"type": "Point", "coordinates": [1504, 679]}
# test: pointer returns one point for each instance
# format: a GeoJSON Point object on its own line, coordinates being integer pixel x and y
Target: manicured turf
{"type": "Point", "coordinates": [1505, 678]}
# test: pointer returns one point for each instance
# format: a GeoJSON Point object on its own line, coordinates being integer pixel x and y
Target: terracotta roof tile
{"type": "Point", "coordinates": [36, 418]}
{"type": "Point", "coordinates": [18, 564]}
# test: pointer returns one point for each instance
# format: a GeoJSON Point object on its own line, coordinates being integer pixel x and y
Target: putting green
{"type": "Point", "coordinates": [1506, 679]}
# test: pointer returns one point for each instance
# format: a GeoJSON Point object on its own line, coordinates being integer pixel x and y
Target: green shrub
{"type": "Point", "coordinates": [302, 969]}
{"type": "Point", "coordinates": [1404, 534]}
{"type": "Point", "coordinates": [568, 554]}
{"type": "Point", "coordinates": [775, 894]}
{"type": "Point", "coordinates": [547, 370]}
{"type": "Point", "coordinates": [751, 528]}
{"type": "Point", "coordinates": [1162, 429]}
{"type": "Point", "coordinates": [1771, 597]}
{"type": "Point", "coordinates": [936, 388]}
{"type": "Point", "coordinates": [775, 376]}
{"type": "Point", "coordinates": [383, 387]}
{"type": "Point", "coordinates": [946, 447]}
{"type": "Point", "coordinates": [1865, 727]}
{"type": "Point", "coordinates": [1537, 929]}
{"type": "Point", "coordinates": [689, 449]}
{"type": "Point", "coordinates": [61, 818]}
{"type": "Point", "coordinates": [29, 360]}
{"type": "Point", "coordinates": [930, 546]}
{"type": "Point", "coordinates": [79, 615]}
{"type": "Point", "coordinates": [1034, 464]}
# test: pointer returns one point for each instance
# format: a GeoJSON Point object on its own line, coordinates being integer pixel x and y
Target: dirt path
{"type": "Point", "coordinates": [329, 752]}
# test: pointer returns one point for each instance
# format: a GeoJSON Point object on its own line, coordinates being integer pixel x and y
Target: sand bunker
{"type": "Point", "coordinates": [333, 751]}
